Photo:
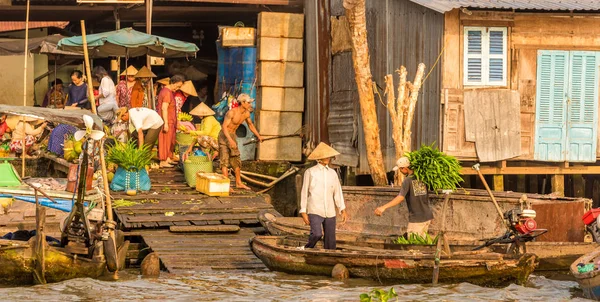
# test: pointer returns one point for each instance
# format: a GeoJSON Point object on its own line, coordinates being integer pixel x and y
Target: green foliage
{"type": "Point", "coordinates": [434, 168]}
{"type": "Point", "coordinates": [380, 295]}
{"type": "Point", "coordinates": [5, 146]}
{"type": "Point", "coordinates": [128, 156]}
{"type": "Point", "coordinates": [417, 239]}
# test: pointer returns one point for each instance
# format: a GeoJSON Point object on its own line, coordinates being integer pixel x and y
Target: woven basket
{"type": "Point", "coordinates": [190, 168]}
{"type": "Point", "coordinates": [184, 139]}
{"type": "Point", "coordinates": [198, 159]}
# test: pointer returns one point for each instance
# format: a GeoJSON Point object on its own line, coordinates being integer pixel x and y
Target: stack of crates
{"type": "Point", "coordinates": [280, 93]}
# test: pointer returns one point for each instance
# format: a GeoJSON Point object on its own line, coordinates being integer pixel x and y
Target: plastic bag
{"type": "Point", "coordinates": [221, 109]}
{"type": "Point", "coordinates": [135, 180]}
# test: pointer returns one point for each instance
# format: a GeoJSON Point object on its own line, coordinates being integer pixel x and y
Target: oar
{"type": "Point", "coordinates": [441, 237]}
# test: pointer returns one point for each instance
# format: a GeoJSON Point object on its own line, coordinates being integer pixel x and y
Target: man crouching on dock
{"type": "Point", "coordinates": [228, 148]}
{"type": "Point", "coordinates": [321, 194]}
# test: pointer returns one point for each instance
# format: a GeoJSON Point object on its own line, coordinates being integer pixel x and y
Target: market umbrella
{"type": "Point", "coordinates": [42, 45]}
{"type": "Point", "coordinates": [128, 42]}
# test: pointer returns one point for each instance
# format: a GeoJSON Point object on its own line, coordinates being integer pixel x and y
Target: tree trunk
{"type": "Point", "coordinates": [355, 12]}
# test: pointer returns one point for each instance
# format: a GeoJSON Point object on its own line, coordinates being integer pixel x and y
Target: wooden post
{"type": "Point", "coordinates": [578, 185]}
{"type": "Point", "coordinates": [558, 184]}
{"type": "Point", "coordinates": [498, 182]}
{"type": "Point", "coordinates": [356, 14]}
{"type": "Point", "coordinates": [23, 146]}
{"type": "Point", "coordinates": [534, 184]}
{"type": "Point", "coordinates": [150, 84]}
{"type": "Point", "coordinates": [40, 242]}
{"type": "Point", "coordinates": [109, 213]}
{"type": "Point", "coordinates": [521, 184]}
{"type": "Point", "coordinates": [596, 193]}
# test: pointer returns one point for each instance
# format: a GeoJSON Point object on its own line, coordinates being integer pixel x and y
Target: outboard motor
{"type": "Point", "coordinates": [592, 224]}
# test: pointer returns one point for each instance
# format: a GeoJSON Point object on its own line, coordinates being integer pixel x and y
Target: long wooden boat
{"type": "Point", "coordinates": [552, 256]}
{"type": "Point", "coordinates": [589, 282]}
{"type": "Point", "coordinates": [280, 253]}
{"type": "Point", "coordinates": [17, 263]}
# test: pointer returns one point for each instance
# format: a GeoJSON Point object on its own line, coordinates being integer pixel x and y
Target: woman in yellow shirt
{"type": "Point", "coordinates": [207, 134]}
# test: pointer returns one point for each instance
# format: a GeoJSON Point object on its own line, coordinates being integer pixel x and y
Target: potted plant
{"type": "Point", "coordinates": [131, 164]}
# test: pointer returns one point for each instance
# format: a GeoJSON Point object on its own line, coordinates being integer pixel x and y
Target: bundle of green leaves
{"type": "Point", "coordinates": [417, 239]}
{"type": "Point", "coordinates": [128, 156]}
{"type": "Point", "coordinates": [379, 295]}
{"type": "Point", "coordinates": [434, 168]}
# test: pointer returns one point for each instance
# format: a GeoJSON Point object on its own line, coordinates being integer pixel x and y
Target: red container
{"type": "Point", "coordinates": [590, 216]}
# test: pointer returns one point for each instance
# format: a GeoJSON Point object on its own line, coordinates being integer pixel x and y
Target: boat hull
{"type": "Point", "coordinates": [18, 265]}
{"type": "Point", "coordinates": [490, 269]}
{"type": "Point", "coordinates": [589, 282]}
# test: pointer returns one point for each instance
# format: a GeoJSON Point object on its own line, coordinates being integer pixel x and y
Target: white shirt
{"type": "Point", "coordinates": [321, 192]}
{"type": "Point", "coordinates": [108, 90]}
{"type": "Point", "coordinates": [145, 118]}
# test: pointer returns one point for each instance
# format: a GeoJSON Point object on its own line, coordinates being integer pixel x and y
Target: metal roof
{"type": "Point", "coordinates": [12, 26]}
{"type": "Point", "coordinates": [447, 5]}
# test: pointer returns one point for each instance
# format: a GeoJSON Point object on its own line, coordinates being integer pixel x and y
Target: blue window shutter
{"type": "Point", "coordinates": [583, 107]}
{"type": "Point", "coordinates": [552, 76]}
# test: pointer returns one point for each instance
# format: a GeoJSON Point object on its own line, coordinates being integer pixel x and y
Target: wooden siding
{"type": "Point", "coordinates": [400, 32]}
{"type": "Point", "coordinates": [528, 33]}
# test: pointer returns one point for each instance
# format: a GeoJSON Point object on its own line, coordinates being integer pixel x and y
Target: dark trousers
{"type": "Point", "coordinates": [150, 137]}
{"type": "Point", "coordinates": [318, 226]}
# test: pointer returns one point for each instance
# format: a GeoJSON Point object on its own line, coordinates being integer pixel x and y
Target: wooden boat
{"type": "Point", "coordinates": [280, 253]}
{"type": "Point", "coordinates": [552, 256]}
{"type": "Point", "coordinates": [17, 260]}
{"type": "Point", "coordinates": [589, 282]}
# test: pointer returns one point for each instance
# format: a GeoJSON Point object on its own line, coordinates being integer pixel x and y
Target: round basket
{"type": "Point", "coordinates": [198, 159]}
{"type": "Point", "coordinates": [191, 168]}
{"type": "Point", "coordinates": [184, 139]}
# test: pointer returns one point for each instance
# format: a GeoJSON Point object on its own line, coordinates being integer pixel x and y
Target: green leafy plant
{"type": "Point", "coordinates": [379, 295]}
{"type": "Point", "coordinates": [128, 156]}
{"type": "Point", "coordinates": [417, 239]}
{"type": "Point", "coordinates": [434, 168]}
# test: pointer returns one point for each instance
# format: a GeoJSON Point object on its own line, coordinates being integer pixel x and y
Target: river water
{"type": "Point", "coordinates": [273, 286]}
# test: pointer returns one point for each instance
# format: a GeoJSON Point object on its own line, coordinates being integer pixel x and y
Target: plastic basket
{"type": "Point", "coordinates": [184, 139]}
{"type": "Point", "coordinates": [191, 168]}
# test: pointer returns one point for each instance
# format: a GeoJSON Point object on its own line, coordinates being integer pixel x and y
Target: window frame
{"type": "Point", "coordinates": [485, 56]}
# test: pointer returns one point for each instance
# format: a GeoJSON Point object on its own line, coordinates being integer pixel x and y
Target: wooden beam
{"type": "Point", "coordinates": [256, 2]}
{"type": "Point", "coordinates": [498, 182]}
{"type": "Point", "coordinates": [557, 170]}
{"type": "Point", "coordinates": [558, 184]}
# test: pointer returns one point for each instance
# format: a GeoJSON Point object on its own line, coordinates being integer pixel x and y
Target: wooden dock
{"type": "Point", "coordinates": [172, 204]}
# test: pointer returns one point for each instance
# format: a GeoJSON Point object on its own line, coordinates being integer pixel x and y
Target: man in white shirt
{"type": "Point", "coordinates": [321, 194]}
{"type": "Point", "coordinates": [144, 124]}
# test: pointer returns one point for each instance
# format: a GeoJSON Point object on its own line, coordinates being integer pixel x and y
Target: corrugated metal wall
{"type": "Point", "coordinates": [400, 32]}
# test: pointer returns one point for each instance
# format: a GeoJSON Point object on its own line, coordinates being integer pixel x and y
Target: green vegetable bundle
{"type": "Point", "coordinates": [128, 156]}
{"type": "Point", "coordinates": [434, 168]}
{"type": "Point", "coordinates": [417, 239]}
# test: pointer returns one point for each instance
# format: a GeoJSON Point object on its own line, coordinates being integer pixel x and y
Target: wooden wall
{"type": "Point", "coordinates": [527, 33]}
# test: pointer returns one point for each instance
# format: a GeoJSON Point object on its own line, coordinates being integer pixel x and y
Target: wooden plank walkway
{"type": "Point", "coordinates": [171, 202]}
{"type": "Point", "coordinates": [192, 252]}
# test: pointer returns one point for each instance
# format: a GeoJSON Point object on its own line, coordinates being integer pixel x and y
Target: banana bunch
{"type": "Point", "coordinates": [72, 148]}
{"type": "Point", "coordinates": [184, 117]}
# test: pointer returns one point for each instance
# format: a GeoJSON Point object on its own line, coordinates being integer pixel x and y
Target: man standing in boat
{"type": "Point", "coordinates": [321, 194]}
{"type": "Point", "coordinates": [417, 200]}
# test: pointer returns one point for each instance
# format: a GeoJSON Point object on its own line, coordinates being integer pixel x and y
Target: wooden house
{"type": "Point", "coordinates": [520, 86]}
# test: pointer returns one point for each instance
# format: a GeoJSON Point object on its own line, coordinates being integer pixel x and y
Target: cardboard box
{"type": "Point", "coordinates": [238, 36]}
{"type": "Point", "coordinates": [281, 74]}
{"type": "Point", "coordinates": [280, 99]}
{"type": "Point", "coordinates": [278, 122]}
{"type": "Point", "coordinates": [212, 184]}
{"type": "Point", "coordinates": [284, 25]}
{"type": "Point", "coordinates": [286, 148]}
{"type": "Point", "coordinates": [280, 49]}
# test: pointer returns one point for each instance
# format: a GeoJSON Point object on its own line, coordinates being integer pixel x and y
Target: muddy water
{"type": "Point", "coordinates": [271, 286]}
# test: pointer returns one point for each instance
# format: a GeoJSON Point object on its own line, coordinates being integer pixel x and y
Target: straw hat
{"type": "Point", "coordinates": [130, 71]}
{"type": "Point", "coordinates": [144, 72]}
{"type": "Point", "coordinates": [13, 120]}
{"type": "Point", "coordinates": [245, 98]}
{"type": "Point", "coordinates": [188, 88]}
{"type": "Point", "coordinates": [164, 81]}
{"type": "Point", "coordinates": [202, 110]}
{"type": "Point", "coordinates": [322, 151]}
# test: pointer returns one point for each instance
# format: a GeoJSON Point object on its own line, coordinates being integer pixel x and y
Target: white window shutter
{"type": "Point", "coordinates": [485, 56]}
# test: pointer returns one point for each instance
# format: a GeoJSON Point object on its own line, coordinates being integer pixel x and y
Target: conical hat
{"type": "Point", "coordinates": [202, 110]}
{"type": "Point", "coordinates": [144, 72]}
{"type": "Point", "coordinates": [13, 120]}
{"type": "Point", "coordinates": [164, 81]}
{"type": "Point", "coordinates": [322, 151]}
{"type": "Point", "coordinates": [188, 88]}
{"type": "Point", "coordinates": [130, 71]}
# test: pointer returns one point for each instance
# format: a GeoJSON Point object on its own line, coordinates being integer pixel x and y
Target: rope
{"type": "Point", "coordinates": [434, 64]}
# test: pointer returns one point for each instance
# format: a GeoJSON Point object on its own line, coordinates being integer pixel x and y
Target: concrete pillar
{"type": "Point", "coordinates": [558, 184]}
{"type": "Point", "coordinates": [498, 183]}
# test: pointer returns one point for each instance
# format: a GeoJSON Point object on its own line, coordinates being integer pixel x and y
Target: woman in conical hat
{"type": "Point", "coordinates": [321, 195]}
{"type": "Point", "coordinates": [140, 94]}
{"type": "Point", "coordinates": [125, 87]}
{"type": "Point", "coordinates": [207, 134]}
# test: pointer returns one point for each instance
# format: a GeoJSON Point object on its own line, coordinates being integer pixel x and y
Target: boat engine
{"type": "Point", "coordinates": [521, 225]}
{"type": "Point", "coordinates": [591, 219]}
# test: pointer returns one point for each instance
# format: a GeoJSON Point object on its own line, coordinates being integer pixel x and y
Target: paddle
{"type": "Point", "coordinates": [441, 237]}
